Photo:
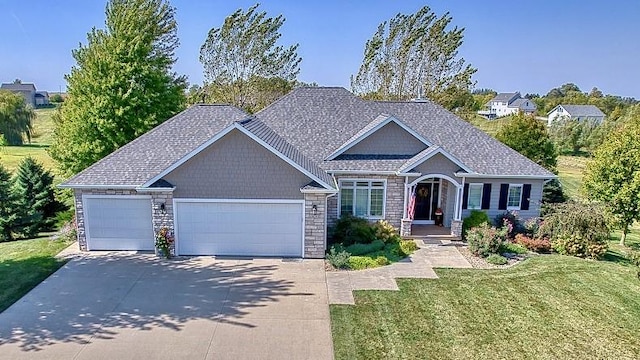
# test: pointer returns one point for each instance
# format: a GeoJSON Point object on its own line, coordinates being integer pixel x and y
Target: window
{"type": "Point", "coordinates": [474, 201]}
{"type": "Point", "coordinates": [362, 198]}
{"type": "Point", "coordinates": [514, 197]}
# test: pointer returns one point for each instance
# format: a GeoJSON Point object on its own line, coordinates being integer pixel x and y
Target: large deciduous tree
{"type": "Point", "coordinates": [243, 63]}
{"type": "Point", "coordinates": [530, 138]}
{"type": "Point", "coordinates": [413, 55]}
{"type": "Point", "coordinates": [613, 175]}
{"type": "Point", "coordinates": [16, 118]}
{"type": "Point", "coordinates": [122, 84]}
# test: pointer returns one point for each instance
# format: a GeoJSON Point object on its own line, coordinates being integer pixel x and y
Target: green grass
{"type": "Point", "coordinates": [10, 156]}
{"type": "Point", "coordinates": [570, 170]}
{"type": "Point", "coordinates": [24, 264]}
{"type": "Point", "coordinates": [491, 127]}
{"type": "Point", "coordinates": [549, 307]}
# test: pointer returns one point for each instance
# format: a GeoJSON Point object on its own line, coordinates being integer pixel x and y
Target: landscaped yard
{"type": "Point", "coordinates": [570, 169]}
{"type": "Point", "coordinates": [553, 307]}
{"type": "Point", "coordinates": [24, 264]}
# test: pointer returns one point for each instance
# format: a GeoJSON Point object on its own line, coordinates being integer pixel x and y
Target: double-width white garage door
{"type": "Point", "coordinates": [241, 228]}
{"type": "Point", "coordinates": [118, 222]}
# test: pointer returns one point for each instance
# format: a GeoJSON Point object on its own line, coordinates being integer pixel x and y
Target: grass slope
{"type": "Point", "coordinates": [24, 264]}
{"type": "Point", "coordinates": [570, 170]}
{"type": "Point", "coordinates": [10, 156]}
{"type": "Point", "coordinates": [550, 307]}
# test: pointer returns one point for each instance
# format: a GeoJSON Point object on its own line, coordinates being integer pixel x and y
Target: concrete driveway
{"type": "Point", "coordinates": [133, 306]}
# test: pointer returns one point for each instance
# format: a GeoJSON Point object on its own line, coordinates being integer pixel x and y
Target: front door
{"type": "Point", "coordinates": [427, 196]}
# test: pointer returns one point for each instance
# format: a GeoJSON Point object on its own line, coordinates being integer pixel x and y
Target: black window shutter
{"type": "Point", "coordinates": [526, 194]}
{"type": "Point", "coordinates": [486, 196]}
{"type": "Point", "coordinates": [465, 196]}
{"type": "Point", "coordinates": [504, 190]}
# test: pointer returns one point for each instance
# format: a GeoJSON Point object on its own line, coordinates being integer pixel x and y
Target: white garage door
{"type": "Point", "coordinates": [247, 228]}
{"type": "Point", "coordinates": [118, 223]}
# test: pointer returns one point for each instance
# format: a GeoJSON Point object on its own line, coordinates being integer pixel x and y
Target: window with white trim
{"type": "Point", "coordinates": [514, 197]}
{"type": "Point", "coordinates": [474, 200]}
{"type": "Point", "coordinates": [362, 198]}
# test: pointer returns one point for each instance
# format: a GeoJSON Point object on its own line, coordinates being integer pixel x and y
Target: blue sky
{"type": "Point", "coordinates": [515, 45]}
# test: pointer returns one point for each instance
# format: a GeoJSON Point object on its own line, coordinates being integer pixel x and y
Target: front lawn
{"type": "Point", "coordinates": [24, 264]}
{"type": "Point", "coordinates": [553, 307]}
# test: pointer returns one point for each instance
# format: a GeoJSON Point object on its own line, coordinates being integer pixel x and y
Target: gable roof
{"type": "Point", "coordinates": [18, 87]}
{"type": "Point", "coordinates": [427, 154]}
{"type": "Point", "coordinates": [505, 97]}
{"type": "Point", "coordinates": [581, 110]}
{"type": "Point", "coordinates": [375, 125]}
{"type": "Point", "coordinates": [519, 102]}
{"type": "Point", "coordinates": [319, 120]}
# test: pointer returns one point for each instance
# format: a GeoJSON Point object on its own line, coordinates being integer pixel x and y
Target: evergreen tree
{"type": "Point", "coordinates": [35, 197]}
{"type": "Point", "coordinates": [8, 206]}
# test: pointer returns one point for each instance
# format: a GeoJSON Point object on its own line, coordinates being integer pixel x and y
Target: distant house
{"type": "Point", "coordinates": [28, 91]}
{"type": "Point", "coordinates": [589, 113]}
{"type": "Point", "coordinates": [505, 104]}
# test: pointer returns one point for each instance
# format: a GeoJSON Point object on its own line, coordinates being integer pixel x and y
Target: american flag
{"type": "Point", "coordinates": [411, 209]}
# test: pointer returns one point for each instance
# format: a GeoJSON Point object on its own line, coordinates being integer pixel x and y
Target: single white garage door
{"type": "Point", "coordinates": [245, 228]}
{"type": "Point", "coordinates": [118, 223]}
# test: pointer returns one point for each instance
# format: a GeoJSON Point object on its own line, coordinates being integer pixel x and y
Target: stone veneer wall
{"type": "Point", "coordinates": [160, 218]}
{"type": "Point", "coordinates": [394, 206]}
{"type": "Point", "coordinates": [315, 227]}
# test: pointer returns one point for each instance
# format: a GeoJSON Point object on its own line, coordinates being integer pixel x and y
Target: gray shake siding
{"type": "Point", "coordinates": [237, 167]}
{"type": "Point", "coordinates": [438, 164]}
{"type": "Point", "coordinates": [534, 200]}
{"type": "Point", "coordinates": [389, 139]}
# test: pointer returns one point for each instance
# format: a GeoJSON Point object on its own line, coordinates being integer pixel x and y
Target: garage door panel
{"type": "Point", "coordinates": [234, 228]}
{"type": "Point", "coordinates": [118, 223]}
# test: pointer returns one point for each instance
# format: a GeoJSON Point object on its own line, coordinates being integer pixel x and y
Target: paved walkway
{"type": "Point", "coordinates": [340, 284]}
{"type": "Point", "coordinates": [135, 306]}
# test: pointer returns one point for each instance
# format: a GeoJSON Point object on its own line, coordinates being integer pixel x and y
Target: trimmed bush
{"type": "Point", "coordinates": [496, 259]}
{"type": "Point", "coordinates": [577, 229]}
{"type": "Point", "coordinates": [485, 240]}
{"type": "Point", "coordinates": [362, 249]}
{"type": "Point", "coordinates": [408, 247]}
{"type": "Point", "coordinates": [512, 248]}
{"type": "Point", "coordinates": [386, 232]}
{"type": "Point", "coordinates": [366, 262]}
{"type": "Point", "coordinates": [510, 220]}
{"type": "Point", "coordinates": [338, 258]}
{"type": "Point", "coordinates": [475, 219]}
{"type": "Point", "coordinates": [535, 245]}
{"type": "Point", "coordinates": [352, 230]}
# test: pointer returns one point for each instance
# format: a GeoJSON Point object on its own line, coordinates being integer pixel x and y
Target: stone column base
{"type": "Point", "coordinates": [456, 228]}
{"type": "Point", "coordinates": [405, 227]}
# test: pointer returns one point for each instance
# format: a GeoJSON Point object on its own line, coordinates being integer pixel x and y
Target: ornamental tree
{"type": "Point", "coordinates": [530, 138]}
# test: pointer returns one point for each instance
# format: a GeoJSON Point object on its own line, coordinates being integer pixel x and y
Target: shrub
{"type": "Point", "coordinates": [408, 247]}
{"type": "Point", "coordinates": [536, 245]}
{"type": "Point", "coordinates": [367, 262]}
{"type": "Point", "coordinates": [510, 220]}
{"type": "Point", "coordinates": [361, 249]}
{"type": "Point", "coordinates": [386, 232]}
{"type": "Point", "coordinates": [496, 259]}
{"type": "Point", "coordinates": [513, 248]}
{"type": "Point", "coordinates": [475, 219]}
{"type": "Point", "coordinates": [577, 229]}
{"type": "Point", "coordinates": [532, 227]}
{"type": "Point", "coordinates": [484, 240]}
{"type": "Point", "coordinates": [338, 258]}
{"type": "Point", "coordinates": [577, 245]}
{"type": "Point", "coordinates": [352, 230]}
{"type": "Point", "coordinates": [68, 231]}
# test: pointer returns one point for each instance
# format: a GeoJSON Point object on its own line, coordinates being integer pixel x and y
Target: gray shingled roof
{"type": "Point", "coordinates": [504, 97]}
{"type": "Point", "coordinates": [582, 110]}
{"type": "Point", "coordinates": [518, 102]}
{"type": "Point", "coordinates": [18, 87]}
{"type": "Point", "coordinates": [318, 120]}
{"type": "Point", "coordinates": [262, 131]}
{"type": "Point", "coordinates": [147, 156]}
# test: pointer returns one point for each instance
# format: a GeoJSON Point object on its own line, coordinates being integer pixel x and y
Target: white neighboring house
{"type": "Point", "coordinates": [589, 113]}
{"type": "Point", "coordinates": [504, 104]}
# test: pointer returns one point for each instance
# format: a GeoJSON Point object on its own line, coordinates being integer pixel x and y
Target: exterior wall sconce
{"type": "Point", "coordinates": [162, 207]}
{"type": "Point", "coordinates": [314, 209]}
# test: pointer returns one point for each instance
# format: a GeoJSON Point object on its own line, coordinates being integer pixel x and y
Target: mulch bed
{"type": "Point", "coordinates": [480, 263]}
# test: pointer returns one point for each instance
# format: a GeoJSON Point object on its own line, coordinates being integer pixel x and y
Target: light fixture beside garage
{"type": "Point", "coordinates": [162, 207]}
{"type": "Point", "coordinates": [314, 209]}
